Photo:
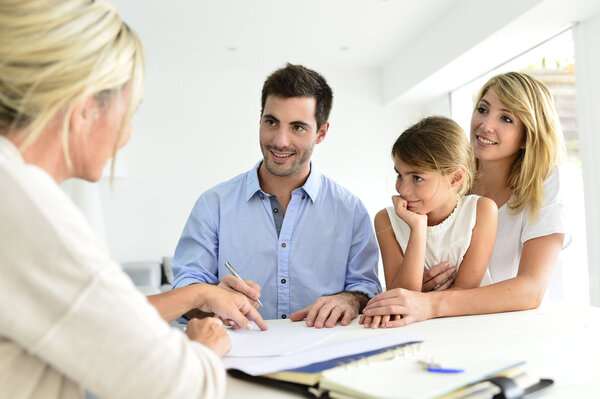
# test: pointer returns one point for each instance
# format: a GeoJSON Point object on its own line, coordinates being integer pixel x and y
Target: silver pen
{"type": "Point", "coordinates": [236, 275]}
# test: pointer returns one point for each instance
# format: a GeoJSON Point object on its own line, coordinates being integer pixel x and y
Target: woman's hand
{"type": "Point", "coordinates": [438, 278]}
{"type": "Point", "coordinates": [405, 306]}
{"type": "Point", "coordinates": [413, 219]}
{"type": "Point", "coordinates": [209, 332]}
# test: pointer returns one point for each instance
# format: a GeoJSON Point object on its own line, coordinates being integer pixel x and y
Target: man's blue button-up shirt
{"type": "Point", "coordinates": [324, 244]}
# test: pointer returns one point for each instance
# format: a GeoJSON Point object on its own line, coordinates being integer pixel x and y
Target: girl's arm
{"type": "Point", "coordinates": [525, 291]}
{"type": "Point", "coordinates": [478, 255]}
{"type": "Point", "coordinates": [401, 270]}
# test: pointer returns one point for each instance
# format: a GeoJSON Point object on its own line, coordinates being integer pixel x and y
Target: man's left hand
{"type": "Point", "coordinates": [327, 310]}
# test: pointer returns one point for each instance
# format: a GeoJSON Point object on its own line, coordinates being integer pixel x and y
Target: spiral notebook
{"type": "Point", "coordinates": [403, 376]}
{"type": "Point", "coordinates": [396, 372]}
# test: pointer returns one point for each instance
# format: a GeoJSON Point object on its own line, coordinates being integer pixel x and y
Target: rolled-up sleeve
{"type": "Point", "coordinates": [361, 272]}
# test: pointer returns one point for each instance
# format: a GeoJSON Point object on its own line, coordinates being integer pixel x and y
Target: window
{"type": "Point", "coordinates": [551, 62]}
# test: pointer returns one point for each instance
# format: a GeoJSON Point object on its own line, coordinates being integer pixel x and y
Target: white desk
{"type": "Point", "coordinates": [557, 341]}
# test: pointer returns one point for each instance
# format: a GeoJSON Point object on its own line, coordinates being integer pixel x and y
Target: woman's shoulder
{"type": "Point", "coordinates": [554, 184]}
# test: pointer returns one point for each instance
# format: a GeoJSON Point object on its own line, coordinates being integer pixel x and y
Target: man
{"type": "Point", "coordinates": [305, 243]}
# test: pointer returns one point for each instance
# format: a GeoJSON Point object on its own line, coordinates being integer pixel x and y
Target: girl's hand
{"type": "Point", "coordinates": [210, 332]}
{"type": "Point", "coordinates": [408, 306]}
{"type": "Point", "coordinates": [377, 321]}
{"type": "Point", "coordinates": [413, 219]}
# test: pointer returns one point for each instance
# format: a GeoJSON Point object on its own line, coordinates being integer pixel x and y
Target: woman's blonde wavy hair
{"type": "Point", "coordinates": [54, 53]}
{"type": "Point", "coordinates": [530, 101]}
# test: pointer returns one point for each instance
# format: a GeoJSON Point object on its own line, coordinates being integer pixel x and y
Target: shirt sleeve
{"type": "Point", "coordinates": [361, 271]}
{"type": "Point", "coordinates": [195, 259]}
{"type": "Point", "coordinates": [553, 216]}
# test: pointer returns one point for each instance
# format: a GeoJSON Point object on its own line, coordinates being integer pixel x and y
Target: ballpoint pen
{"type": "Point", "coordinates": [437, 368]}
{"type": "Point", "coordinates": [236, 275]}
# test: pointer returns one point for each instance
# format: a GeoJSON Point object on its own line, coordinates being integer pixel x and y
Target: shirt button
{"type": "Point", "coordinates": [304, 196]}
{"type": "Point", "coordinates": [262, 197]}
{"type": "Point", "coordinates": [282, 281]}
{"type": "Point", "coordinates": [284, 316]}
{"type": "Point", "coordinates": [275, 210]}
{"type": "Point", "coordinates": [283, 244]}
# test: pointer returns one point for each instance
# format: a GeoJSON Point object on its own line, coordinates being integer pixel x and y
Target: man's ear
{"type": "Point", "coordinates": [322, 132]}
{"type": "Point", "coordinates": [83, 113]}
{"type": "Point", "coordinates": [457, 177]}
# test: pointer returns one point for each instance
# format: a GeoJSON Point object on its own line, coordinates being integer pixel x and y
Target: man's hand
{"type": "Point", "coordinates": [327, 310]}
{"type": "Point", "coordinates": [232, 307]}
{"type": "Point", "coordinates": [247, 287]}
{"type": "Point", "coordinates": [439, 277]}
{"type": "Point", "coordinates": [210, 332]}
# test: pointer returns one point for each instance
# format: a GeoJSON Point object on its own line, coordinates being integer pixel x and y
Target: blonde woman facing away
{"type": "Point", "coordinates": [432, 219]}
{"type": "Point", "coordinates": [71, 75]}
{"type": "Point", "coordinates": [517, 143]}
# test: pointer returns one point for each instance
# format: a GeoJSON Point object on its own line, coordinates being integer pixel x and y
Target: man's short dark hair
{"type": "Point", "coordinates": [298, 81]}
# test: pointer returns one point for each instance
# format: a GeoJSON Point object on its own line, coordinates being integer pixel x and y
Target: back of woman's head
{"type": "Point", "coordinates": [437, 143]}
{"type": "Point", "coordinates": [530, 101]}
{"type": "Point", "coordinates": [56, 52]}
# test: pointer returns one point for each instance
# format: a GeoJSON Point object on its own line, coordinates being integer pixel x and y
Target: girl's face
{"type": "Point", "coordinates": [496, 133]}
{"type": "Point", "coordinates": [426, 192]}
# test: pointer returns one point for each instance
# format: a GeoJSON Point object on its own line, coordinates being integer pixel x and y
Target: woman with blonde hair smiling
{"type": "Point", "coordinates": [517, 143]}
{"type": "Point", "coordinates": [71, 76]}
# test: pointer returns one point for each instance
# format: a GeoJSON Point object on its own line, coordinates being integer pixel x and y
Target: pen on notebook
{"type": "Point", "coordinates": [236, 275]}
{"type": "Point", "coordinates": [436, 368]}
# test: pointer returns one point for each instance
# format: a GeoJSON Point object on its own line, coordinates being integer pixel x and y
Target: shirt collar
{"type": "Point", "coordinates": [9, 150]}
{"type": "Point", "coordinates": [311, 186]}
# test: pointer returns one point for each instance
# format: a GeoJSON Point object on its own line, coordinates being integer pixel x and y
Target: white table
{"type": "Point", "coordinates": [558, 341]}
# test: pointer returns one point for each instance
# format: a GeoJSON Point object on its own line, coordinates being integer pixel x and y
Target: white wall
{"type": "Point", "coordinates": [197, 128]}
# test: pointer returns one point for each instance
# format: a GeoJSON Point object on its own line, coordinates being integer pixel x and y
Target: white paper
{"type": "Point", "coordinates": [324, 351]}
{"type": "Point", "coordinates": [278, 340]}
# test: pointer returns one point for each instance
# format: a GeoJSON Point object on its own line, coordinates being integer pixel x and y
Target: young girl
{"type": "Point", "coordinates": [517, 140]}
{"type": "Point", "coordinates": [432, 221]}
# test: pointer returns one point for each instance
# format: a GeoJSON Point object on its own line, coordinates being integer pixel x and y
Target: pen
{"type": "Point", "coordinates": [436, 368]}
{"type": "Point", "coordinates": [444, 370]}
{"type": "Point", "coordinates": [236, 275]}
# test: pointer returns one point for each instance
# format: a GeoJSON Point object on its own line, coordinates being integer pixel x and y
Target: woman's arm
{"type": "Point", "coordinates": [405, 271]}
{"type": "Point", "coordinates": [525, 291]}
{"type": "Point", "coordinates": [475, 261]}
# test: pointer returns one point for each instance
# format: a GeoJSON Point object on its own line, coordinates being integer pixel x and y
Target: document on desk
{"type": "Point", "coordinates": [278, 340]}
{"type": "Point", "coordinates": [330, 349]}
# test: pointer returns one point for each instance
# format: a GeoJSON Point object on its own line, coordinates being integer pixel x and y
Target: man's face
{"type": "Point", "coordinates": [288, 134]}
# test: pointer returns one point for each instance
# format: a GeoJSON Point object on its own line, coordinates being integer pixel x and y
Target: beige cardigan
{"type": "Point", "coordinates": [70, 319]}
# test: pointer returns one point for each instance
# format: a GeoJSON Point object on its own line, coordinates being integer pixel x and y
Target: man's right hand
{"type": "Point", "coordinates": [229, 306]}
{"type": "Point", "coordinates": [247, 287]}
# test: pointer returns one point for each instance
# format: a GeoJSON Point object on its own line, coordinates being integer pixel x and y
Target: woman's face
{"type": "Point", "coordinates": [496, 133]}
{"type": "Point", "coordinates": [92, 148]}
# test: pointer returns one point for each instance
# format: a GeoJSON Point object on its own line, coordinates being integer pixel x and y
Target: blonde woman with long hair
{"type": "Point", "coordinates": [71, 75]}
{"type": "Point", "coordinates": [517, 143]}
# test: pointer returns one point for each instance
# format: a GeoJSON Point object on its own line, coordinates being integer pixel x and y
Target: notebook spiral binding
{"type": "Point", "coordinates": [410, 350]}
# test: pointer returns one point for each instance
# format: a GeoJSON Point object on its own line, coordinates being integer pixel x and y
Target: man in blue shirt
{"type": "Point", "coordinates": [305, 243]}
